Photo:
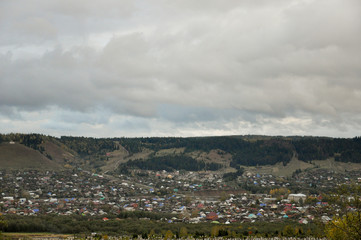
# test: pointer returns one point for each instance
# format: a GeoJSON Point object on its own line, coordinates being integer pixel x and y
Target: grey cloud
{"type": "Point", "coordinates": [37, 27]}
{"type": "Point", "coordinates": [38, 21]}
{"type": "Point", "coordinates": [242, 64]}
{"type": "Point", "coordinates": [317, 24]}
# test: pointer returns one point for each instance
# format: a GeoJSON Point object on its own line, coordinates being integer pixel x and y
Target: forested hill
{"type": "Point", "coordinates": [195, 153]}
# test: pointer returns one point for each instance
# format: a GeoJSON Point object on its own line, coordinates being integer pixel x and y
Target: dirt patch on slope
{"type": "Point", "coordinates": [335, 166]}
{"type": "Point", "coordinates": [170, 151]}
{"type": "Point", "coordinates": [280, 170]}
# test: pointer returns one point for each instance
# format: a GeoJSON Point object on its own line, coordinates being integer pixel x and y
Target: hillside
{"type": "Point", "coordinates": [281, 154]}
{"type": "Point", "coordinates": [276, 155]}
{"type": "Point", "coordinates": [18, 156]}
{"type": "Point", "coordinates": [35, 151]}
{"type": "Point", "coordinates": [58, 152]}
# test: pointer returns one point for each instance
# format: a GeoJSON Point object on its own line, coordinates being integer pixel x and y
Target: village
{"type": "Point", "coordinates": [186, 196]}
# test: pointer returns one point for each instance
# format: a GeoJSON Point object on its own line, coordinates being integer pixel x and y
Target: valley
{"type": "Point", "coordinates": [209, 182]}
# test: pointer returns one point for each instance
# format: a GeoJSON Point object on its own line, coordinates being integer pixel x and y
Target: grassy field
{"type": "Point", "coordinates": [35, 236]}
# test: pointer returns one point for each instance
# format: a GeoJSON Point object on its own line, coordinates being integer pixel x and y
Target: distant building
{"type": "Point", "coordinates": [297, 197]}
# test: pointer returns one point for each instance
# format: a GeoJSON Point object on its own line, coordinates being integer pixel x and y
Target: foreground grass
{"type": "Point", "coordinates": [10, 235]}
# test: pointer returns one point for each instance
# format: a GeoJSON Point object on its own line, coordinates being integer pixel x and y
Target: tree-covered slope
{"type": "Point", "coordinates": [240, 150]}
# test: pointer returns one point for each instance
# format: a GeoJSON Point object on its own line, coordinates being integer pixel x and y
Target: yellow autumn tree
{"type": "Point", "coordinates": [279, 191]}
{"type": "Point", "coordinates": [348, 225]}
{"type": "Point", "coordinates": [151, 234]}
{"type": "Point", "coordinates": [215, 231]}
{"type": "Point", "coordinates": [183, 232]}
{"type": "Point", "coordinates": [168, 235]}
{"type": "Point", "coordinates": [288, 231]}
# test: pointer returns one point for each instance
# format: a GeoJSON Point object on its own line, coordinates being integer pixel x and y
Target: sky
{"type": "Point", "coordinates": [114, 68]}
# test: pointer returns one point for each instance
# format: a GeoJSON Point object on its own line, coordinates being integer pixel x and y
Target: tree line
{"type": "Point", "coordinates": [170, 163]}
{"type": "Point", "coordinates": [32, 140]}
{"type": "Point", "coordinates": [136, 225]}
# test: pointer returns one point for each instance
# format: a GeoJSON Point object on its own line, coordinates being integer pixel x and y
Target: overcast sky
{"type": "Point", "coordinates": [113, 68]}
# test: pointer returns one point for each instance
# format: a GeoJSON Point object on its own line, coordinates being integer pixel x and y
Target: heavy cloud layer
{"type": "Point", "coordinates": [181, 68]}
